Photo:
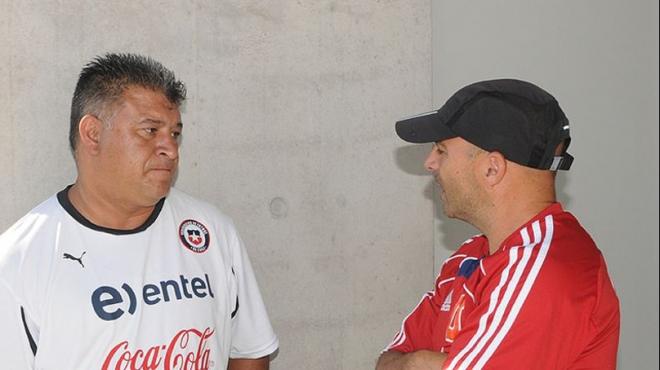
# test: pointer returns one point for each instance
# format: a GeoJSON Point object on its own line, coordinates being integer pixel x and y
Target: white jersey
{"type": "Point", "coordinates": [176, 293]}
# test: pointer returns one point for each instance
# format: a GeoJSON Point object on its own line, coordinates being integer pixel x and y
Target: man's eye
{"type": "Point", "coordinates": [150, 130]}
{"type": "Point", "coordinates": [176, 134]}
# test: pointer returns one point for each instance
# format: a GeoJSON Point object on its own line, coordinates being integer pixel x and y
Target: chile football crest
{"type": "Point", "coordinates": [194, 236]}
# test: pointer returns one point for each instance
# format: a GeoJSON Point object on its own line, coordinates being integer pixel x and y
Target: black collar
{"type": "Point", "coordinates": [63, 198]}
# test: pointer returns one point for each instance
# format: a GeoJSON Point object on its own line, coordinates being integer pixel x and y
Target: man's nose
{"type": "Point", "coordinates": [431, 163]}
{"type": "Point", "coordinates": [169, 146]}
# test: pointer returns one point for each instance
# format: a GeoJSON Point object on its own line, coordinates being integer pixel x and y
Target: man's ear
{"type": "Point", "coordinates": [494, 168]}
{"type": "Point", "coordinates": [89, 133]}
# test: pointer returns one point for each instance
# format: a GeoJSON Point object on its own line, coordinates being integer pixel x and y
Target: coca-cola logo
{"type": "Point", "coordinates": [188, 350]}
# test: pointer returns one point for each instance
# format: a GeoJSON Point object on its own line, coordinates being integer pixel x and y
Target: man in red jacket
{"type": "Point", "coordinates": [531, 292]}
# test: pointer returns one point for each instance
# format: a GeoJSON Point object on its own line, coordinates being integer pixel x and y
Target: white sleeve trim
{"type": "Point", "coordinates": [266, 350]}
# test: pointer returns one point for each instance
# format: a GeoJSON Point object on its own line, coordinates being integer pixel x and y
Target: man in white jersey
{"type": "Point", "coordinates": [119, 270]}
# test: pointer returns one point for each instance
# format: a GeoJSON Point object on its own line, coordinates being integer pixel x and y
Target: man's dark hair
{"type": "Point", "coordinates": [103, 80]}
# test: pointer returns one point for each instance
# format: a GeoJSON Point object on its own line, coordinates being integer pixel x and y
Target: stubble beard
{"type": "Point", "coordinates": [461, 202]}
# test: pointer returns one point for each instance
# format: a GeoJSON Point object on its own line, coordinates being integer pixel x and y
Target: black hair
{"type": "Point", "coordinates": [103, 80]}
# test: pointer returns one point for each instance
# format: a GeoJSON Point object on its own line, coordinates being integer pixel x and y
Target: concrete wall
{"type": "Point", "coordinates": [289, 129]}
{"type": "Point", "coordinates": [600, 60]}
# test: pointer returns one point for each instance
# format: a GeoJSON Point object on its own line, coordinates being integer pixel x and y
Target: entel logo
{"type": "Point", "coordinates": [151, 294]}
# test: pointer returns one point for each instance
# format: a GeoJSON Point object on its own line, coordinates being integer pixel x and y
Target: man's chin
{"type": "Point", "coordinates": [157, 192]}
{"type": "Point", "coordinates": [446, 210]}
{"type": "Point", "coordinates": [451, 215]}
{"type": "Point", "coordinates": [162, 193]}
{"type": "Point", "coordinates": [451, 212]}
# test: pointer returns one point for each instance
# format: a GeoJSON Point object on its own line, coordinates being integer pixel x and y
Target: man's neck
{"type": "Point", "coordinates": [506, 219]}
{"type": "Point", "coordinates": [103, 210]}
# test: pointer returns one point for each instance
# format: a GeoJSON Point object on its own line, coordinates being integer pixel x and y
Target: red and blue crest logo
{"type": "Point", "coordinates": [194, 236]}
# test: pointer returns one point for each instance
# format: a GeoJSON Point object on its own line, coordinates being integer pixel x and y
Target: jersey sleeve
{"type": "Point", "coordinates": [19, 335]}
{"type": "Point", "coordinates": [252, 333]}
{"type": "Point", "coordinates": [17, 345]}
{"type": "Point", "coordinates": [601, 351]}
{"type": "Point", "coordinates": [417, 328]}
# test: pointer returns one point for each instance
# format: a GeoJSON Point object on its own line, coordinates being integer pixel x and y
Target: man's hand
{"type": "Point", "coordinates": [249, 364]}
{"type": "Point", "coordinates": [419, 360]}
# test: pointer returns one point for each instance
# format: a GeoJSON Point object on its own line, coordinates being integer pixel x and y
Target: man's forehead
{"type": "Point", "coordinates": [146, 93]}
{"type": "Point", "coordinates": [454, 141]}
{"type": "Point", "coordinates": [152, 104]}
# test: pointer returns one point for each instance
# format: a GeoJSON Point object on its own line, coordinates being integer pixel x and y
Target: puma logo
{"type": "Point", "coordinates": [79, 259]}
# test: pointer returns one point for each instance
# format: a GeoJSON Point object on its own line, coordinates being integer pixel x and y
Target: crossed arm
{"type": "Point", "coordinates": [419, 360]}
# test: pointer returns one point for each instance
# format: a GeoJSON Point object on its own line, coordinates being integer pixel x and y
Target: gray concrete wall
{"type": "Point", "coordinates": [289, 129]}
{"type": "Point", "coordinates": [600, 60]}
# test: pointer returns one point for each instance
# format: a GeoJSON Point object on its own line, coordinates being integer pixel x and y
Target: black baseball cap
{"type": "Point", "coordinates": [513, 117]}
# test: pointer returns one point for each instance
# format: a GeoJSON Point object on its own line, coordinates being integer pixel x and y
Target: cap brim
{"type": "Point", "coordinates": [423, 128]}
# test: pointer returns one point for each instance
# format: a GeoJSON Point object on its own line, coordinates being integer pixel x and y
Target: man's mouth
{"type": "Point", "coordinates": [164, 167]}
{"type": "Point", "coordinates": [162, 171]}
